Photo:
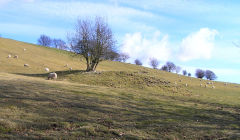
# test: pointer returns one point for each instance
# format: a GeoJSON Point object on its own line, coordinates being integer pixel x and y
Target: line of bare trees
{"type": "Point", "coordinates": [171, 67]}
{"type": "Point", "coordinates": [208, 74]}
{"type": "Point", "coordinates": [47, 41]}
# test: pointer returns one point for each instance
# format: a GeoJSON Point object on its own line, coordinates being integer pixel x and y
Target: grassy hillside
{"type": "Point", "coordinates": [119, 101]}
{"type": "Point", "coordinates": [39, 57]}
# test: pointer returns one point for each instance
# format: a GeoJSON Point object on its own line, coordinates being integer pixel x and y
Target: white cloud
{"type": "Point", "coordinates": [74, 9]}
{"type": "Point", "coordinates": [140, 47]}
{"type": "Point", "coordinates": [123, 18]}
{"type": "Point", "coordinates": [178, 7]}
{"type": "Point", "coordinates": [198, 45]}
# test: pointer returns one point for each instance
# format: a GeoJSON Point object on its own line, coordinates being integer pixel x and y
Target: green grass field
{"type": "Point", "coordinates": [119, 101]}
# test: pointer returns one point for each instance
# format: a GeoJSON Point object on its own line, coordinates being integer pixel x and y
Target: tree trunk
{"type": "Point", "coordinates": [88, 64]}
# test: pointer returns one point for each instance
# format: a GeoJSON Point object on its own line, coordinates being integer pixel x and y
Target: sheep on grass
{"type": "Point", "coordinates": [52, 75]}
{"type": "Point", "coordinates": [26, 65]}
{"type": "Point", "coordinates": [47, 69]}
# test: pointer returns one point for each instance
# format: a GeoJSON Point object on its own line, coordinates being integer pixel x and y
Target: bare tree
{"type": "Point", "coordinates": [210, 75]}
{"type": "Point", "coordinates": [178, 69]}
{"type": "Point", "coordinates": [200, 73]}
{"type": "Point", "coordinates": [171, 66]}
{"type": "Point", "coordinates": [154, 63]}
{"type": "Point", "coordinates": [44, 41]}
{"type": "Point", "coordinates": [123, 57]}
{"type": "Point", "coordinates": [93, 39]}
{"type": "Point", "coordinates": [138, 62]}
{"type": "Point", "coordinates": [111, 55]}
{"type": "Point", "coordinates": [59, 44]}
{"type": "Point", "coordinates": [184, 72]}
{"type": "Point", "coordinates": [164, 68]}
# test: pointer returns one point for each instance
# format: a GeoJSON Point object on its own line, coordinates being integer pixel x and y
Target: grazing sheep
{"type": "Point", "coordinates": [24, 49]}
{"type": "Point", "coordinates": [47, 69]}
{"type": "Point", "coordinates": [213, 87]}
{"type": "Point", "coordinates": [70, 69]}
{"type": "Point", "coordinates": [175, 83]}
{"type": "Point", "coordinates": [9, 56]}
{"type": "Point", "coordinates": [66, 65]}
{"type": "Point", "coordinates": [16, 56]}
{"type": "Point", "coordinates": [201, 85]}
{"type": "Point", "coordinates": [26, 65]}
{"type": "Point", "coordinates": [52, 75]}
{"type": "Point", "coordinates": [186, 84]}
{"type": "Point", "coordinates": [206, 86]}
{"type": "Point", "coordinates": [225, 84]}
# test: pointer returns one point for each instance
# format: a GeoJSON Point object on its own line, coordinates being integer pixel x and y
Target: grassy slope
{"type": "Point", "coordinates": [121, 101]}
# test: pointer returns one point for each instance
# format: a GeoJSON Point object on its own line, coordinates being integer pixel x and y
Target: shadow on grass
{"type": "Point", "coordinates": [59, 73]}
{"type": "Point", "coordinates": [91, 115]}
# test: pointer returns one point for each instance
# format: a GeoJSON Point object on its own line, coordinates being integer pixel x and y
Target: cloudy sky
{"type": "Point", "coordinates": [191, 33]}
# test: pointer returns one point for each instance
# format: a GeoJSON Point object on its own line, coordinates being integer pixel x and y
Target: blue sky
{"type": "Point", "coordinates": [191, 33]}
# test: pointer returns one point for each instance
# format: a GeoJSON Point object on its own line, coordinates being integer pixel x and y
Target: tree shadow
{"type": "Point", "coordinates": [59, 73]}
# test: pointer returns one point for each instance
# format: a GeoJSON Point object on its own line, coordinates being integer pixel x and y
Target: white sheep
{"type": "Point", "coordinates": [206, 86]}
{"type": "Point", "coordinates": [24, 49]}
{"type": "Point", "coordinates": [47, 69]}
{"type": "Point", "coordinates": [16, 56]}
{"type": "Point", "coordinates": [9, 56]}
{"type": "Point", "coordinates": [70, 69]}
{"type": "Point", "coordinates": [186, 84]}
{"type": "Point", "coordinates": [52, 75]}
{"type": "Point", "coordinates": [213, 87]}
{"type": "Point", "coordinates": [26, 65]}
{"type": "Point", "coordinates": [66, 65]}
{"type": "Point", "coordinates": [201, 85]}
